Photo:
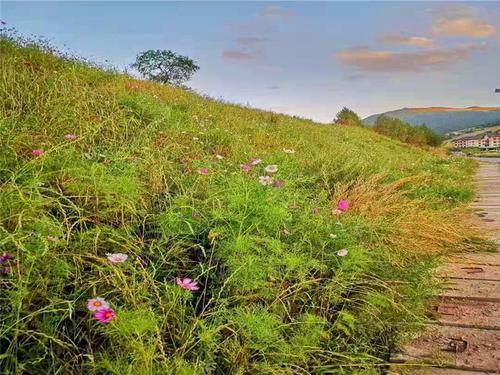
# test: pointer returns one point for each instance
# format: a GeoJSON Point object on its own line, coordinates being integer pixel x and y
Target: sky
{"type": "Point", "coordinates": [308, 59]}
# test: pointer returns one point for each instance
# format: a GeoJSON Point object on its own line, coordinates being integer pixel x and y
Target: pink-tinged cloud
{"type": "Point", "coordinates": [365, 59]}
{"type": "Point", "coordinates": [417, 41]}
{"type": "Point", "coordinates": [237, 55]}
{"type": "Point", "coordinates": [464, 26]}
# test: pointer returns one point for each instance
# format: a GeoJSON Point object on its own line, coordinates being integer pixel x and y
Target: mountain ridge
{"type": "Point", "coordinates": [444, 119]}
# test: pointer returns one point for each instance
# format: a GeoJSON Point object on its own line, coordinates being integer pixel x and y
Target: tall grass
{"type": "Point", "coordinates": [275, 297]}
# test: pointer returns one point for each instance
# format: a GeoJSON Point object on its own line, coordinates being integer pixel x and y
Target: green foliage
{"type": "Point", "coordinates": [165, 66]}
{"type": "Point", "coordinates": [348, 117]}
{"type": "Point", "coordinates": [415, 135]}
{"type": "Point", "coordinates": [274, 297]}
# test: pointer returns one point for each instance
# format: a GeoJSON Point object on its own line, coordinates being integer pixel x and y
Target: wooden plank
{"type": "Point", "coordinates": [466, 313]}
{"type": "Point", "coordinates": [427, 370]}
{"type": "Point", "coordinates": [455, 347]}
{"type": "Point", "coordinates": [480, 290]}
{"type": "Point", "coordinates": [469, 271]}
{"type": "Point", "coordinates": [477, 258]}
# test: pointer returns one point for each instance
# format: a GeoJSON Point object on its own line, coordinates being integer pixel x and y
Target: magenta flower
{"type": "Point", "coordinates": [255, 161]}
{"type": "Point", "coordinates": [343, 205]}
{"type": "Point", "coordinates": [5, 257]}
{"type": "Point", "coordinates": [96, 304]}
{"type": "Point", "coordinates": [105, 315]}
{"type": "Point", "coordinates": [5, 269]}
{"type": "Point", "coordinates": [245, 168]}
{"type": "Point", "coordinates": [117, 257]}
{"type": "Point", "coordinates": [37, 152]}
{"type": "Point", "coordinates": [203, 171]}
{"type": "Point", "coordinates": [70, 137]}
{"type": "Point", "coordinates": [187, 283]}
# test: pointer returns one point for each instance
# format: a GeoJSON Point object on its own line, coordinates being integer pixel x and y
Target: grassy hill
{"type": "Point", "coordinates": [444, 119]}
{"type": "Point", "coordinates": [96, 163]}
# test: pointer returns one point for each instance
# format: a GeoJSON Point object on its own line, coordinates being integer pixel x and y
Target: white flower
{"type": "Point", "coordinates": [333, 235]}
{"type": "Point", "coordinates": [195, 138]}
{"type": "Point", "coordinates": [220, 157]}
{"type": "Point", "coordinates": [271, 168]}
{"type": "Point", "coordinates": [265, 180]}
{"type": "Point", "coordinates": [342, 253]}
{"type": "Point", "coordinates": [289, 151]}
{"type": "Point", "coordinates": [117, 257]}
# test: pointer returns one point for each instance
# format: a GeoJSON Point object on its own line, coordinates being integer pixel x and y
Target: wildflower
{"type": "Point", "coordinates": [5, 269]}
{"type": "Point", "coordinates": [220, 157]}
{"type": "Point", "coordinates": [245, 168]}
{"type": "Point", "coordinates": [37, 152]}
{"type": "Point", "coordinates": [314, 211]}
{"type": "Point", "coordinates": [105, 315]}
{"type": "Point", "coordinates": [117, 257]}
{"type": "Point", "coordinates": [265, 180]}
{"type": "Point", "coordinates": [5, 257]}
{"type": "Point", "coordinates": [278, 183]}
{"type": "Point", "coordinates": [343, 205]}
{"type": "Point", "coordinates": [271, 168]}
{"type": "Point", "coordinates": [96, 304]}
{"type": "Point", "coordinates": [289, 151]}
{"type": "Point", "coordinates": [187, 283]}
{"type": "Point", "coordinates": [333, 235]}
{"type": "Point", "coordinates": [255, 161]}
{"type": "Point", "coordinates": [195, 138]}
{"type": "Point", "coordinates": [336, 211]}
{"type": "Point", "coordinates": [203, 171]}
{"type": "Point", "coordinates": [70, 137]}
{"type": "Point", "coordinates": [342, 253]}
{"type": "Point", "coordinates": [52, 238]}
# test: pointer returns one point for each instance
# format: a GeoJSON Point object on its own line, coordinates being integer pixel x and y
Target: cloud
{"type": "Point", "coordinates": [464, 21]}
{"type": "Point", "coordinates": [464, 27]}
{"type": "Point", "coordinates": [238, 55]}
{"type": "Point", "coordinates": [418, 41]}
{"type": "Point", "coordinates": [276, 12]}
{"type": "Point", "coordinates": [365, 59]}
{"type": "Point", "coordinates": [274, 87]}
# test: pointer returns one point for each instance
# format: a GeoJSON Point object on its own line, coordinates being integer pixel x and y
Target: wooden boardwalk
{"type": "Point", "coordinates": [464, 336]}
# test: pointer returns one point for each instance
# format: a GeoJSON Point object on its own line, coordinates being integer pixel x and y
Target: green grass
{"type": "Point", "coordinates": [274, 298]}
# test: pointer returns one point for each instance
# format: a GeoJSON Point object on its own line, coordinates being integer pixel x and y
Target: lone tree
{"type": "Point", "coordinates": [165, 66]}
{"type": "Point", "coordinates": [348, 117]}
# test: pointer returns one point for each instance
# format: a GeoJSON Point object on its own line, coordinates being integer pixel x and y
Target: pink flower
{"type": "Point", "coordinates": [203, 171]}
{"type": "Point", "coordinates": [255, 161]}
{"type": "Point", "coordinates": [245, 168]}
{"type": "Point", "coordinates": [265, 180]}
{"type": "Point", "coordinates": [96, 304]}
{"type": "Point", "coordinates": [70, 137]}
{"type": "Point", "coordinates": [278, 183]}
{"type": "Point", "coordinates": [105, 315]}
{"type": "Point", "coordinates": [343, 205]}
{"type": "Point", "coordinates": [117, 257]}
{"type": "Point", "coordinates": [271, 168]}
{"type": "Point", "coordinates": [342, 253]}
{"type": "Point", "coordinates": [37, 152]}
{"type": "Point", "coordinates": [314, 211]}
{"type": "Point", "coordinates": [187, 283]}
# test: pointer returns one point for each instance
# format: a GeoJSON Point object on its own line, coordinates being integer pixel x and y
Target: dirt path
{"type": "Point", "coordinates": [463, 338]}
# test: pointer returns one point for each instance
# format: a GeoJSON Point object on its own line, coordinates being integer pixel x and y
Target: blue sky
{"type": "Point", "coordinates": [302, 58]}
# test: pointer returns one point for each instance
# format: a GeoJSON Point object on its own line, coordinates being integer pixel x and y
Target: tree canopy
{"type": "Point", "coordinates": [165, 66]}
{"type": "Point", "coordinates": [348, 117]}
{"type": "Point", "coordinates": [416, 135]}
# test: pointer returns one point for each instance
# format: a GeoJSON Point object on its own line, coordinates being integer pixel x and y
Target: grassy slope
{"type": "Point", "coordinates": [275, 297]}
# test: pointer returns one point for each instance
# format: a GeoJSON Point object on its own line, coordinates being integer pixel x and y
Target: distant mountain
{"type": "Point", "coordinates": [445, 119]}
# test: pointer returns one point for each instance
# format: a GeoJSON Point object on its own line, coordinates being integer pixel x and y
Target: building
{"type": "Point", "coordinates": [486, 141]}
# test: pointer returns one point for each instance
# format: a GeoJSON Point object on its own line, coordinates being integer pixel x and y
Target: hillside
{"type": "Point", "coordinates": [444, 119]}
{"type": "Point", "coordinates": [308, 247]}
